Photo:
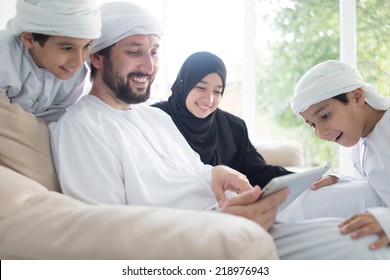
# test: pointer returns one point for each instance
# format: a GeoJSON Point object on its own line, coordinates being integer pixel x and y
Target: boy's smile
{"type": "Point", "coordinates": [335, 121]}
{"type": "Point", "coordinates": [61, 56]}
{"type": "Point", "coordinates": [343, 123]}
{"type": "Point", "coordinates": [67, 69]}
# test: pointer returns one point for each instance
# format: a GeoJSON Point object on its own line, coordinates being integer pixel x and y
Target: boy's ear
{"type": "Point", "coordinates": [96, 60]}
{"type": "Point", "coordinates": [358, 96]}
{"type": "Point", "coordinates": [27, 39]}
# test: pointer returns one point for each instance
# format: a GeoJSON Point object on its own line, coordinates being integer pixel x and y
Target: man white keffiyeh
{"type": "Point", "coordinates": [120, 20]}
{"type": "Point", "coordinates": [329, 79]}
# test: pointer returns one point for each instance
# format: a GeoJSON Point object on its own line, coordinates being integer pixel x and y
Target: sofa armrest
{"type": "Point", "coordinates": [25, 144]}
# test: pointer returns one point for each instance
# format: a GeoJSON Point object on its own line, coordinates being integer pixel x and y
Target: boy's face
{"type": "Point", "coordinates": [62, 56]}
{"type": "Point", "coordinates": [337, 122]}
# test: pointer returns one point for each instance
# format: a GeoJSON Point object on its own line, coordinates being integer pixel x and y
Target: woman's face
{"type": "Point", "coordinates": [205, 97]}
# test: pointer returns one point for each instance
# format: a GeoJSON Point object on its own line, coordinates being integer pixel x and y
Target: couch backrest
{"type": "Point", "coordinates": [287, 153]}
{"type": "Point", "coordinates": [25, 144]}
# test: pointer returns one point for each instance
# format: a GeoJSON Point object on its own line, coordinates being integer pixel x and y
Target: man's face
{"type": "Point", "coordinates": [130, 69]}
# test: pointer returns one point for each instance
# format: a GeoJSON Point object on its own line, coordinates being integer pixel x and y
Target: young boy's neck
{"type": "Point", "coordinates": [373, 117]}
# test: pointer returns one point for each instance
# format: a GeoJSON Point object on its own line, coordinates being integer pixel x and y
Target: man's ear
{"type": "Point", "coordinates": [27, 39]}
{"type": "Point", "coordinates": [358, 96]}
{"type": "Point", "coordinates": [96, 60]}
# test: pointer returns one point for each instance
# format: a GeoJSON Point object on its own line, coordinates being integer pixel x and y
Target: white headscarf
{"type": "Point", "coordinates": [71, 18]}
{"type": "Point", "coordinates": [329, 79]}
{"type": "Point", "coordinates": [123, 19]}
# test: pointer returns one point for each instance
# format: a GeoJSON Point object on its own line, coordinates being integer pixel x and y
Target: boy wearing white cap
{"type": "Point", "coordinates": [335, 101]}
{"type": "Point", "coordinates": [43, 50]}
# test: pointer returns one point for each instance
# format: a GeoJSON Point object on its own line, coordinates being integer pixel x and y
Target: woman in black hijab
{"type": "Point", "coordinates": [217, 136]}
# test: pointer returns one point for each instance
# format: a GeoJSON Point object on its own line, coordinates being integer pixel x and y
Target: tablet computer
{"type": "Point", "coordinates": [297, 182]}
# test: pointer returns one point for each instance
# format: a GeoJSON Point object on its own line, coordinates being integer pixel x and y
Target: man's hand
{"type": "Point", "coordinates": [225, 178]}
{"type": "Point", "coordinates": [324, 181]}
{"type": "Point", "coordinates": [262, 211]}
{"type": "Point", "coordinates": [360, 225]}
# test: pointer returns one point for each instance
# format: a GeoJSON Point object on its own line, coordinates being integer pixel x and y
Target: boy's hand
{"type": "Point", "coordinates": [324, 181]}
{"type": "Point", "coordinates": [360, 225]}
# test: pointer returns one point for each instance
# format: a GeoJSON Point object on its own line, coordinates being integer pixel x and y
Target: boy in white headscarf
{"type": "Point", "coordinates": [43, 52]}
{"type": "Point", "coordinates": [335, 101]}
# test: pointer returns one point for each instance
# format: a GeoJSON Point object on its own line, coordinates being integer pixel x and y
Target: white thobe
{"type": "Point", "coordinates": [371, 158]}
{"type": "Point", "coordinates": [37, 90]}
{"type": "Point", "coordinates": [137, 157]}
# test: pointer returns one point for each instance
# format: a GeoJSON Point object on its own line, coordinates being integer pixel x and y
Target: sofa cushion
{"type": "Point", "coordinates": [25, 144]}
{"type": "Point", "coordinates": [39, 224]}
{"type": "Point", "coordinates": [286, 153]}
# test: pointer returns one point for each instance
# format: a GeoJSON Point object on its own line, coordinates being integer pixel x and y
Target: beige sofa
{"type": "Point", "coordinates": [38, 222]}
{"type": "Point", "coordinates": [287, 153]}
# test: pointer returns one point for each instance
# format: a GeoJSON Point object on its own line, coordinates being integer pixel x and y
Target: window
{"type": "Point", "coordinates": [302, 33]}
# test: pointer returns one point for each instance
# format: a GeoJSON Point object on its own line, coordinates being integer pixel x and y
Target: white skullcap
{"type": "Point", "coordinates": [123, 19]}
{"type": "Point", "coordinates": [329, 79]}
{"type": "Point", "coordinates": [70, 18]}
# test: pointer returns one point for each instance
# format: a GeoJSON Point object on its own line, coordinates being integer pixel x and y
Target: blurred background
{"type": "Point", "coordinates": [267, 45]}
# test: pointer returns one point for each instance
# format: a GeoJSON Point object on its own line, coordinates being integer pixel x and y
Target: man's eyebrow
{"type": "Point", "coordinates": [136, 44]}
{"type": "Point", "coordinates": [132, 44]}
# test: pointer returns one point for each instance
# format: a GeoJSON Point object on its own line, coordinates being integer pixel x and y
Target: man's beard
{"type": "Point", "coordinates": [121, 87]}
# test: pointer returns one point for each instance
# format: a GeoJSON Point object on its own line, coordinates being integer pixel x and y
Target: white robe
{"type": "Point", "coordinates": [371, 158]}
{"type": "Point", "coordinates": [37, 90]}
{"type": "Point", "coordinates": [139, 157]}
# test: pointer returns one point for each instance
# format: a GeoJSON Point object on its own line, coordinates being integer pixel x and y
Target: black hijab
{"type": "Point", "coordinates": [210, 137]}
